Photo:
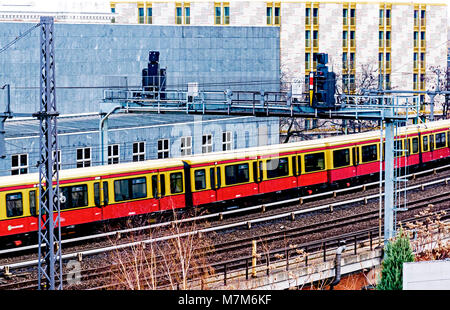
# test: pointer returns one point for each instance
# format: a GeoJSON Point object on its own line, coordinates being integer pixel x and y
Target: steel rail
{"type": "Point", "coordinates": [239, 210]}
{"type": "Point", "coordinates": [247, 223]}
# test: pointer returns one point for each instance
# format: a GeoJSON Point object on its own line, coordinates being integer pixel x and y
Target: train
{"type": "Point", "coordinates": [102, 193]}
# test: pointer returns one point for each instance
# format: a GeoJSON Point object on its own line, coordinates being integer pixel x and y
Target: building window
{"type": "Point", "coordinates": [307, 61]}
{"type": "Point", "coordinates": [186, 146]}
{"type": "Point", "coordinates": [113, 11]}
{"type": "Point", "coordinates": [218, 14]}
{"type": "Point", "coordinates": [84, 157]}
{"type": "Point", "coordinates": [307, 39]}
{"type": "Point", "coordinates": [207, 144]}
{"type": "Point", "coordinates": [222, 13]}
{"type": "Point", "coordinates": [226, 140]}
{"type": "Point", "coordinates": [345, 17]}
{"type": "Point", "coordinates": [308, 16]}
{"type": "Point", "coordinates": [163, 148]}
{"type": "Point", "coordinates": [141, 17]}
{"type": "Point", "coordinates": [179, 14]}
{"type": "Point", "coordinates": [352, 17]}
{"type": "Point", "coordinates": [315, 39]}
{"type": "Point", "coordinates": [139, 151]}
{"type": "Point", "coordinates": [315, 16]}
{"type": "Point", "coordinates": [57, 161]}
{"type": "Point", "coordinates": [273, 13]}
{"type": "Point", "coordinates": [19, 164]}
{"type": "Point", "coordinates": [182, 13]}
{"type": "Point", "coordinates": [113, 154]}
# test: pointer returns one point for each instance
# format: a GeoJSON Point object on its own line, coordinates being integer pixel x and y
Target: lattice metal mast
{"type": "Point", "coordinates": [50, 264]}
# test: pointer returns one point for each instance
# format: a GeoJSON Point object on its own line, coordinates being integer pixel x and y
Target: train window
{"type": "Point", "coordinates": [277, 167]}
{"type": "Point", "coordinates": [14, 205]}
{"type": "Point", "coordinates": [97, 194]}
{"type": "Point", "coordinates": [32, 201]}
{"type": "Point", "coordinates": [341, 158]}
{"type": "Point", "coordinates": [130, 189]}
{"type": "Point", "coordinates": [155, 186]}
{"type": "Point", "coordinates": [176, 182]}
{"type": "Point", "coordinates": [431, 142]}
{"type": "Point", "coordinates": [73, 196]}
{"type": "Point", "coordinates": [235, 174]}
{"type": "Point", "coordinates": [314, 162]}
{"type": "Point", "coordinates": [415, 145]}
{"type": "Point", "coordinates": [425, 144]}
{"type": "Point", "coordinates": [200, 179]}
{"type": "Point", "coordinates": [440, 140]}
{"type": "Point", "coordinates": [255, 171]}
{"type": "Point", "coordinates": [368, 153]}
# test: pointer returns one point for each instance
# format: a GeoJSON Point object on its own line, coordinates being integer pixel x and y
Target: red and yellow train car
{"type": "Point", "coordinates": [94, 194]}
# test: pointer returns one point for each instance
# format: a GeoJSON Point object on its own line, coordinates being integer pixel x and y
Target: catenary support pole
{"type": "Point", "coordinates": [49, 229]}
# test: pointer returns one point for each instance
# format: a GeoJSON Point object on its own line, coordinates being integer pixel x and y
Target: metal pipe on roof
{"type": "Point", "coordinates": [103, 134]}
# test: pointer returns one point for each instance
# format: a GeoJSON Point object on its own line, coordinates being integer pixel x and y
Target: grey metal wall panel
{"type": "Point", "coordinates": [87, 53]}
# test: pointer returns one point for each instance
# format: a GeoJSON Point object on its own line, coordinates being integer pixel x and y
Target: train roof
{"type": "Point", "coordinates": [253, 152]}
{"type": "Point", "coordinates": [17, 180]}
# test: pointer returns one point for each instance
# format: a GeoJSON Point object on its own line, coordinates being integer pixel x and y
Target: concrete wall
{"type": "Point", "coordinates": [22, 137]}
{"type": "Point", "coordinates": [89, 57]}
{"type": "Point", "coordinates": [427, 275]}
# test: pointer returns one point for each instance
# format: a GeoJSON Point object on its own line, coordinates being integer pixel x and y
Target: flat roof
{"type": "Point", "coordinates": [26, 128]}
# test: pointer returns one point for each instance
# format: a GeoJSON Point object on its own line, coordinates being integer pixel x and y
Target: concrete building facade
{"type": "Point", "coordinates": [400, 43]}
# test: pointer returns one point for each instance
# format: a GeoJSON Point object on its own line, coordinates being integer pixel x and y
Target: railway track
{"type": "Point", "coordinates": [257, 213]}
{"type": "Point", "coordinates": [240, 244]}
